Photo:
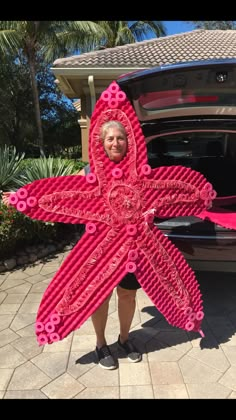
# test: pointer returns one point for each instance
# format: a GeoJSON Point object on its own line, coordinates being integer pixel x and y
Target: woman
{"type": "Point", "coordinates": [114, 138]}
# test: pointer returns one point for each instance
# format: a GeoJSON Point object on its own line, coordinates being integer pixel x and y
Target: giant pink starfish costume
{"type": "Point", "coordinates": [118, 202]}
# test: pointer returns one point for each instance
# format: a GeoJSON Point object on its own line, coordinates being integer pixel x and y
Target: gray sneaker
{"type": "Point", "coordinates": [131, 352]}
{"type": "Point", "coordinates": [105, 359]}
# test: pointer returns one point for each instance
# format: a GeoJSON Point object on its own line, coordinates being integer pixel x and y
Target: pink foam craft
{"type": "Point", "coordinates": [118, 202]}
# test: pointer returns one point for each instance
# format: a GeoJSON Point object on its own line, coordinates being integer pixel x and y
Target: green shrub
{"type": "Point", "coordinates": [16, 230]}
{"type": "Point", "coordinates": [78, 164]}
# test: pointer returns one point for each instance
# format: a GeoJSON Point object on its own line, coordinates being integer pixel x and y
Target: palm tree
{"type": "Point", "coordinates": [126, 32]}
{"type": "Point", "coordinates": [45, 40]}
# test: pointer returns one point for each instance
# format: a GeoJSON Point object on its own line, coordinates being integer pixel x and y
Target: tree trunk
{"type": "Point", "coordinates": [36, 104]}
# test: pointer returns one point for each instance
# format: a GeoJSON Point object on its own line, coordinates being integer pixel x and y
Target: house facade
{"type": "Point", "coordinates": [84, 77]}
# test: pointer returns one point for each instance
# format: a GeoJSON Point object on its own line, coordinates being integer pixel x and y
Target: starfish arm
{"type": "Point", "coordinates": [220, 216]}
{"type": "Point", "coordinates": [59, 199]}
{"type": "Point", "coordinates": [84, 281]}
{"type": "Point", "coordinates": [171, 284]}
{"type": "Point", "coordinates": [179, 191]}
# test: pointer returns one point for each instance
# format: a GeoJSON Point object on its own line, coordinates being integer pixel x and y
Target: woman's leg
{"type": "Point", "coordinates": [126, 310]}
{"type": "Point", "coordinates": [99, 320]}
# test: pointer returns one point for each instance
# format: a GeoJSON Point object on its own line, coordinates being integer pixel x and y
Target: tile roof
{"type": "Point", "coordinates": [198, 44]}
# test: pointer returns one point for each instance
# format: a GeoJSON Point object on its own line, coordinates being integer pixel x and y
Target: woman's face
{"type": "Point", "coordinates": [115, 144]}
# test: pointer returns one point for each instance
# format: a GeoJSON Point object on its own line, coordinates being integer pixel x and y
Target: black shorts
{"type": "Point", "coordinates": [129, 282]}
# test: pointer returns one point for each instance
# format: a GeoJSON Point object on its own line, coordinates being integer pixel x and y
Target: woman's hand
{"type": "Point", "coordinates": [5, 198]}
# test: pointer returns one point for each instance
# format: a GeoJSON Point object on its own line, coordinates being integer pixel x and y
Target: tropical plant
{"type": "Point", "coordinates": [46, 168]}
{"type": "Point", "coordinates": [11, 176]}
{"type": "Point", "coordinates": [126, 32]}
{"type": "Point", "coordinates": [38, 40]}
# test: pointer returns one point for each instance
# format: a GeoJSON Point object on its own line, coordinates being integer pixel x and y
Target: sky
{"type": "Point", "coordinates": [177, 26]}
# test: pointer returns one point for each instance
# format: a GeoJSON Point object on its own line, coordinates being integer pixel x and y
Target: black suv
{"type": "Point", "coordinates": [188, 116]}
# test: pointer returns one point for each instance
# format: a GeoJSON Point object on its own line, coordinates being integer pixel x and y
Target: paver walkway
{"type": "Point", "coordinates": [175, 365]}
